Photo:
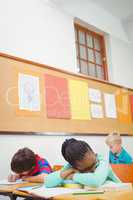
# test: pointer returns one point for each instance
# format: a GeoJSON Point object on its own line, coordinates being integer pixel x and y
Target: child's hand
{"type": "Point", "coordinates": [13, 177]}
{"type": "Point", "coordinates": [70, 177]}
{"type": "Point", "coordinates": [66, 173]}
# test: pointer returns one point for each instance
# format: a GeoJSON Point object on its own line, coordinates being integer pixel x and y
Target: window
{"type": "Point", "coordinates": [90, 53]}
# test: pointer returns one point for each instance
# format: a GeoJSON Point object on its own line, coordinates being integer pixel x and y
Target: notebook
{"type": "Point", "coordinates": [52, 192]}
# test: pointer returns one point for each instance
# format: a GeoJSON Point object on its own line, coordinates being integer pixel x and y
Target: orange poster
{"type": "Point", "coordinates": [131, 104]}
{"type": "Point", "coordinates": [123, 107]}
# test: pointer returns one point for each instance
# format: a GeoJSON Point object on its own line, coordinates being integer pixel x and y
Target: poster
{"type": "Point", "coordinates": [80, 106]}
{"type": "Point", "coordinates": [29, 92]}
{"type": "Point", "coordinates": [95, 95]}
{"type": "Point", "coordinates": [96, 111]}
{"type": "Point", "coordinates": [110, 105]}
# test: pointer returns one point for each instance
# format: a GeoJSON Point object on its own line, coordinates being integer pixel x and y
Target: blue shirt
{"type": "Point", "coordinates": [122, 158]}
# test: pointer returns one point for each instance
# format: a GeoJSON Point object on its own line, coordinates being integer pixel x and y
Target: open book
{"type": "Point", "coordinates": [42, 191]}
{"type": "Point", "coordinates": [51, 192]}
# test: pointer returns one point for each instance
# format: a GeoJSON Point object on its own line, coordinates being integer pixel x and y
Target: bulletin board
{"type": "Point", "coordinates": [39, 98]}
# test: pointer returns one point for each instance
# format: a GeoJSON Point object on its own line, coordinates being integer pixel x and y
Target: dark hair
{"type": "Point", "coordinates": [74, 150]}
{"type": "Point", "coordinates": [23, 160]}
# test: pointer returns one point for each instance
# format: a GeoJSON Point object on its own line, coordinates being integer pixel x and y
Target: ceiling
{"type": "Point", "coordinates": [122, 9]}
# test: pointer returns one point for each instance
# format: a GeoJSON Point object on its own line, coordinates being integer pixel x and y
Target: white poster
{"type": "Point", "coordinates": [95, 95]}
{"type": "Point", "coordinates": [29, 92]}
{"type": "Point", "coordinates": [110, 105]}
{"type": "Point", "coordinates": [96, 111]}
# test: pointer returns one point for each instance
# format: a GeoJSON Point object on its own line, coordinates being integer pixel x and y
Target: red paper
{"type": "Point", "coordinates": [57, 98]}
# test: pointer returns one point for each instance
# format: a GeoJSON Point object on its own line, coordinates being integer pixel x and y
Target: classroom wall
{"type": "Point", "coordinates": [128, 24]}
{"type": "Point", "coordinates": [42, 32]}
{"type": "Point", "coordinates": [37, 31]}
{"type": "Point", "coordinates": [95, 15]}
{"type": "Point", "coordinates": [122, 62]}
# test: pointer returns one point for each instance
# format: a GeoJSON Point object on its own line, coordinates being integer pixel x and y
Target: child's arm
{"type": "Point", "coordinates": [36, 179]}
{"type": "Point", "coordinates": [98, 177]}
{"type": "Point", "coordinates": [56, 178]}
{"type": "Point", "coordinates": [94, 179]}
{"type": "Point", "coordinates": [41, 177]}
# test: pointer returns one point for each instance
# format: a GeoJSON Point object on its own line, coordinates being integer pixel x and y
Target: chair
{"type": "Point", "coordinates": [57, 167]}
{"type": "Point", "coordinates": [124, 172]}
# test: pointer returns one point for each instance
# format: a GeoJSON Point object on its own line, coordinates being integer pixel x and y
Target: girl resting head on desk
{"type": "Point", "coordinates": [29, 166]}
{"type": "Point", "coordinates": [83, 166]}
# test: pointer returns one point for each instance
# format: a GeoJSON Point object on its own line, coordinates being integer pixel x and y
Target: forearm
{"type": "Point", "coordinates": [54, 179]}
{"type": "Point", "coordinates": [36, 179]}
{"type": "Point", "coordinates": [85, 179]}
{"type": "Point", "coordinates": [95, 179]}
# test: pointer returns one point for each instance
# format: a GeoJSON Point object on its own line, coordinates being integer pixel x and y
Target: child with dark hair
{"type": "Point", "coordinates": [29, 166]}
{"type": "Point", "coordinates": [84, 166]}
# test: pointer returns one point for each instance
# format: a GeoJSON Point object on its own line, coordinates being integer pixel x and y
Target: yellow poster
{"type": "Point", "coordinates": [79, 101]}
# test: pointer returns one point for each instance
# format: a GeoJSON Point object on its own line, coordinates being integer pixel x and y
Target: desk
{"type": "Point", "coordinates": [13, 194]}
{"type": "Point", "coordinates": [12, 191]}
{"type": "Point", "coordinates": [106, 196]}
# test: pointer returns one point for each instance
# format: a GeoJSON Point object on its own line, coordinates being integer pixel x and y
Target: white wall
{"type": "Point", "coordinates": [96, 16]}
{"type": "Point", "coordinates": [129, 29]}
{"type": "Point", "coordinates": [122, 62]}
{"type": "Point", "coordinates": [34, 30]}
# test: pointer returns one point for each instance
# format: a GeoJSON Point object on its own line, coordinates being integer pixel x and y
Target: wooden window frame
{"type": "Point", "coordinates": [102, 50]}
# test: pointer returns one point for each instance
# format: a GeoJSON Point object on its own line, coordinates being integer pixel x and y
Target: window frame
{"type": "Point", "coordinates": [102, 50]}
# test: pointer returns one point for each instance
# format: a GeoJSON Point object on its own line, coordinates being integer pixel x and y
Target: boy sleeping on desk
{"type": "Point", "coordinates": [29, 166]}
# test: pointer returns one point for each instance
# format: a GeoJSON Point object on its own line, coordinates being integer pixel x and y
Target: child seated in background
{"type": "Point", "coordinates": [29, 166]}
{"type": "Point", "coordinates": [117, 154]}
{"type": "Point", "coordinates": [84, 166]}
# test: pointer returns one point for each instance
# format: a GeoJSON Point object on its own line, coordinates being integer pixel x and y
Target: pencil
{"type": "Point", "coordinates": [85, 193]}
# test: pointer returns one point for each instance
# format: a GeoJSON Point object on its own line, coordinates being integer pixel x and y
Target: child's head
{"type": "Point", "coordinates": [23, 161]}
{"type": "Point", "coordinates": [114, 142]}
{"type": "Point", "coordinates": [79, 154]}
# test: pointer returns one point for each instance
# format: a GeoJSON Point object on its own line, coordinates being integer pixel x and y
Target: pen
{"type": "Point", "coordinates": [85, 193]}
{"type": "Point", "coordinates": [35, 187]}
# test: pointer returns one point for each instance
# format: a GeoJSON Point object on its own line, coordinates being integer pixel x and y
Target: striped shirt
{"type": "Point", "coordinates": [41, 166]}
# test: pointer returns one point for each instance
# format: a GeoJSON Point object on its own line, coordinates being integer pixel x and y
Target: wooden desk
{"type": "Point", "coordinates": [13, 193]}
{"type": "Point", "coordinates": [106, 196]}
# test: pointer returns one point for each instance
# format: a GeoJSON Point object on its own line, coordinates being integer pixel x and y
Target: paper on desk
{"type": "Point", "coordinates": [28, 188]}
{"type": "Point", "coordinates": [6, 182]}
{"type": "Point", "coordinates": [111, 186]}
{"type": "Point", "coordinates": [51, 192]}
